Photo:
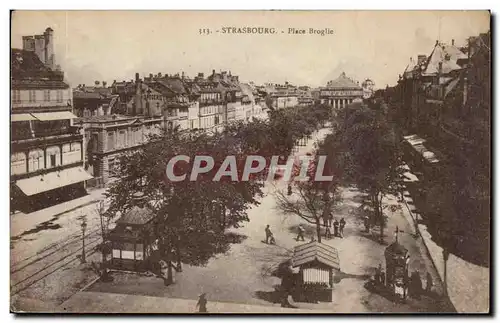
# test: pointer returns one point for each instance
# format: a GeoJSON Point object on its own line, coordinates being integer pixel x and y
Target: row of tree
{"type": "Point", "coordinates": [362, 150]}
{"type": "Point", "coordinates": [193, 216]}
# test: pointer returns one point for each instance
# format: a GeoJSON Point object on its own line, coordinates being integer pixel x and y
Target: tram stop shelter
{"type": "Point", "coordinates": [318, 265]}
{"type": "Point", "coordinates": [132, 239]}
{"type": "Point", "coordinates": [396, 262]}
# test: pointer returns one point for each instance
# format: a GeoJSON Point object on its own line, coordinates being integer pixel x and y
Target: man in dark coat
{"type": "Point", "coordinates": [336, 228]}
{"type": "Point", "coordinates": [202, 304]}
{"type": "Point", "coordinates": [341, 227]}
{"type": "Point", "coordinates": [300, 235]}
{"type": "Point", "coordinates": [269, 234]}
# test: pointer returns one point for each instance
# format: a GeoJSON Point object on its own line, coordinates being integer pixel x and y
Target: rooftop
{"type": "Point", "coordinates": [315, 251]}
{"type": "Point", "coordinates": [342, 82]}
{"type": "Point", "coordinates": [136, 215]}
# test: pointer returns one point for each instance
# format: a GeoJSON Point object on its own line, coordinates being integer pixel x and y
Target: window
{"type": "Point", "coordinates": [35, 160]}
{"type": "Point", "coordinates": [32, 96]}
{"type": "Point", "coordinates": [16, 96]}
{"type": "Point", "coordinates": [53, 156]}
{"type": "Point", "coordinates": [122, 139]}
{"type": "Point", "coordinates": [59, 96]}
{"type": "Point", "coordinates": [18, 163]}
{"type": "Point", "coordinates": [111, 140]}
{"type": "Point", "coordinates": [46, 95]}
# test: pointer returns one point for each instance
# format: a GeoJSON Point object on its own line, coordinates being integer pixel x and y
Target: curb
{"type": "Point", "coordinates": [424, 243]}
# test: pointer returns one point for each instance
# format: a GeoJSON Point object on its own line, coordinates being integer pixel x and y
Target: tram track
{"type": "Point", "coordinates": [30, 278]}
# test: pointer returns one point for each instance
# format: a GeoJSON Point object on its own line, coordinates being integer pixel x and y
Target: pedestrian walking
{"type": "Point", "coordinates": [428, 283]}
{"type": "Point", "coordinates": [367, 224]}
{"type": "Point", "coordinates": [269, 234]}
{"type": "Point", "coordinates": [202, 304]}
{"type": "Point", "coordinates": [336, 228]}
{"type": "Point", "coordinates": [378, 273]}
{"type": "Point", "coordinates": [300, 235]}
{"type": "Point", "coordinates": [289, 192]}
{"type": "Point", "coordinates": [341, 227]}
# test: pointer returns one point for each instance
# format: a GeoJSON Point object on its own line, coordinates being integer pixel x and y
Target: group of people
{"type": "Point", "coordinates": [338, 227]}
{"type": "Point", "coordinates": [415, 286]}
{"type": "Point", "coordinates": [413, 282]}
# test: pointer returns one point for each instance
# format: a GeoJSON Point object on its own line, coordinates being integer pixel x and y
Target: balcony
{"type": "Point", "coordinates": [25, 134]}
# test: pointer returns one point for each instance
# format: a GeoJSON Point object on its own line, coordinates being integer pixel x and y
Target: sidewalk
{"type": "Point", "coordinates": [95, 302]}
{"type": "Point", "coordinates": [468, 284]}
{"type": "Point", "coordinates": [21, 222]}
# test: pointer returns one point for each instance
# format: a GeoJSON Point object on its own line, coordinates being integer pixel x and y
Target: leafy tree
{"type": "Point", "coordinates": [191, 215]}
{"type": "Point", "coordinates": [370, 155]}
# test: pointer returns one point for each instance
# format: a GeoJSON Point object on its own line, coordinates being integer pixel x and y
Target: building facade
{"type": "Point", "coordinates": [340, 92]}
{"type": "Point", "coordinates": [46, 147]}
{"type": "Point", "coordinates": [108, 137]}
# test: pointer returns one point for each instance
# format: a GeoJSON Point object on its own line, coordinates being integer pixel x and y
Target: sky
{"type": "Point", "coordinates": [114, 45]}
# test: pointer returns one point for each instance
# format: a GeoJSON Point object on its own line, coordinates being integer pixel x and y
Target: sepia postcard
{"type": "Point", "coordinates": [254, 162]}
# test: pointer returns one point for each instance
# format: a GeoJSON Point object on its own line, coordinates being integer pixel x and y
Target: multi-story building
{"type": "Point", "coordinates": [107, 134]}
{"type": "Point", "coordinates": [340, 92]}
{"type": "Point", "coordinates": [46, 148]}
{"type": "Point", "coordinates": [108, 137]}
{"type": "Point", "coordinates": [281, 96]}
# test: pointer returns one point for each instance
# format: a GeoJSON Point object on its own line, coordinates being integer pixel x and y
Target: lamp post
{"type": "Point", "coordinates": [84, 227]}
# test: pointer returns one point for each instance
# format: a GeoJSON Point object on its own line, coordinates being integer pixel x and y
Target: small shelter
{"type": "Point", "coordinates": [132, 240]}
{"type": "Point", "coordinates": [396, 263]}
{"type": "Point", "coordinates": [318, 264]}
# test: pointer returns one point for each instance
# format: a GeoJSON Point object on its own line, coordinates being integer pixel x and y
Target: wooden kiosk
{"type": "Point", "coordinates": [131, 239]}
{"type": "Point", "coordinates": [318, 264]}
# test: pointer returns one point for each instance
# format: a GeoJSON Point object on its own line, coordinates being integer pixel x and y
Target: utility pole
{"type": "Point", "coordinates": [83, 226]}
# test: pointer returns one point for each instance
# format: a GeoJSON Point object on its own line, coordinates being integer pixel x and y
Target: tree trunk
{"type": "Point", "coordinates": [223, 224]}
{"type": "Point", "coordinates": [318, 229]}
{"type": "Point", "coordinates": [381, 215]}
{"type": "Point", "coordinates": [178, 256]}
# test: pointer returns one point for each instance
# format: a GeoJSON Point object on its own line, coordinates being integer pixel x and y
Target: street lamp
{"type": "Point", "coordinates": [84, 227]}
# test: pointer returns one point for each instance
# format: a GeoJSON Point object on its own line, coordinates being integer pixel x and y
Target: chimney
{"type": "Point", "coordinates": [440, 68]}
{"type": "Point", "coordinates": [138, 96]}
{"type": "Point", "coordinates": [213, 72]}
{"type": "Point", "coordinates": [453, 42]}
{"type": "Point", "coordinates": [182, 75]}
{"type": "Point", "coordinates": [150, 76]}
{"type": "Point", "coordinates": [421, 59]}
{"type": "Point", "coordinates": [437, 42]}
{"type": "Point", "coordinates": [104, 83]}
{"type": "Point", "coordinates": [96, 83]}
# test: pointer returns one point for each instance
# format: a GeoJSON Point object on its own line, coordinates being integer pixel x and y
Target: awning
{"type": "Point", "coordinates": [48, 116]}
{"type": "Point", "coordinates": [21, 117]}
{"type": "Point", "coordinates": [43, 183]}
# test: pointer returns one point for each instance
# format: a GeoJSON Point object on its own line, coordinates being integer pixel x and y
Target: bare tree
{"type": "Point", "coordinates": [311, 201]}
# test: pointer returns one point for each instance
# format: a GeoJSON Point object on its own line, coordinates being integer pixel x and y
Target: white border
{"type": "Point", "coordinates": [206, 5]}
